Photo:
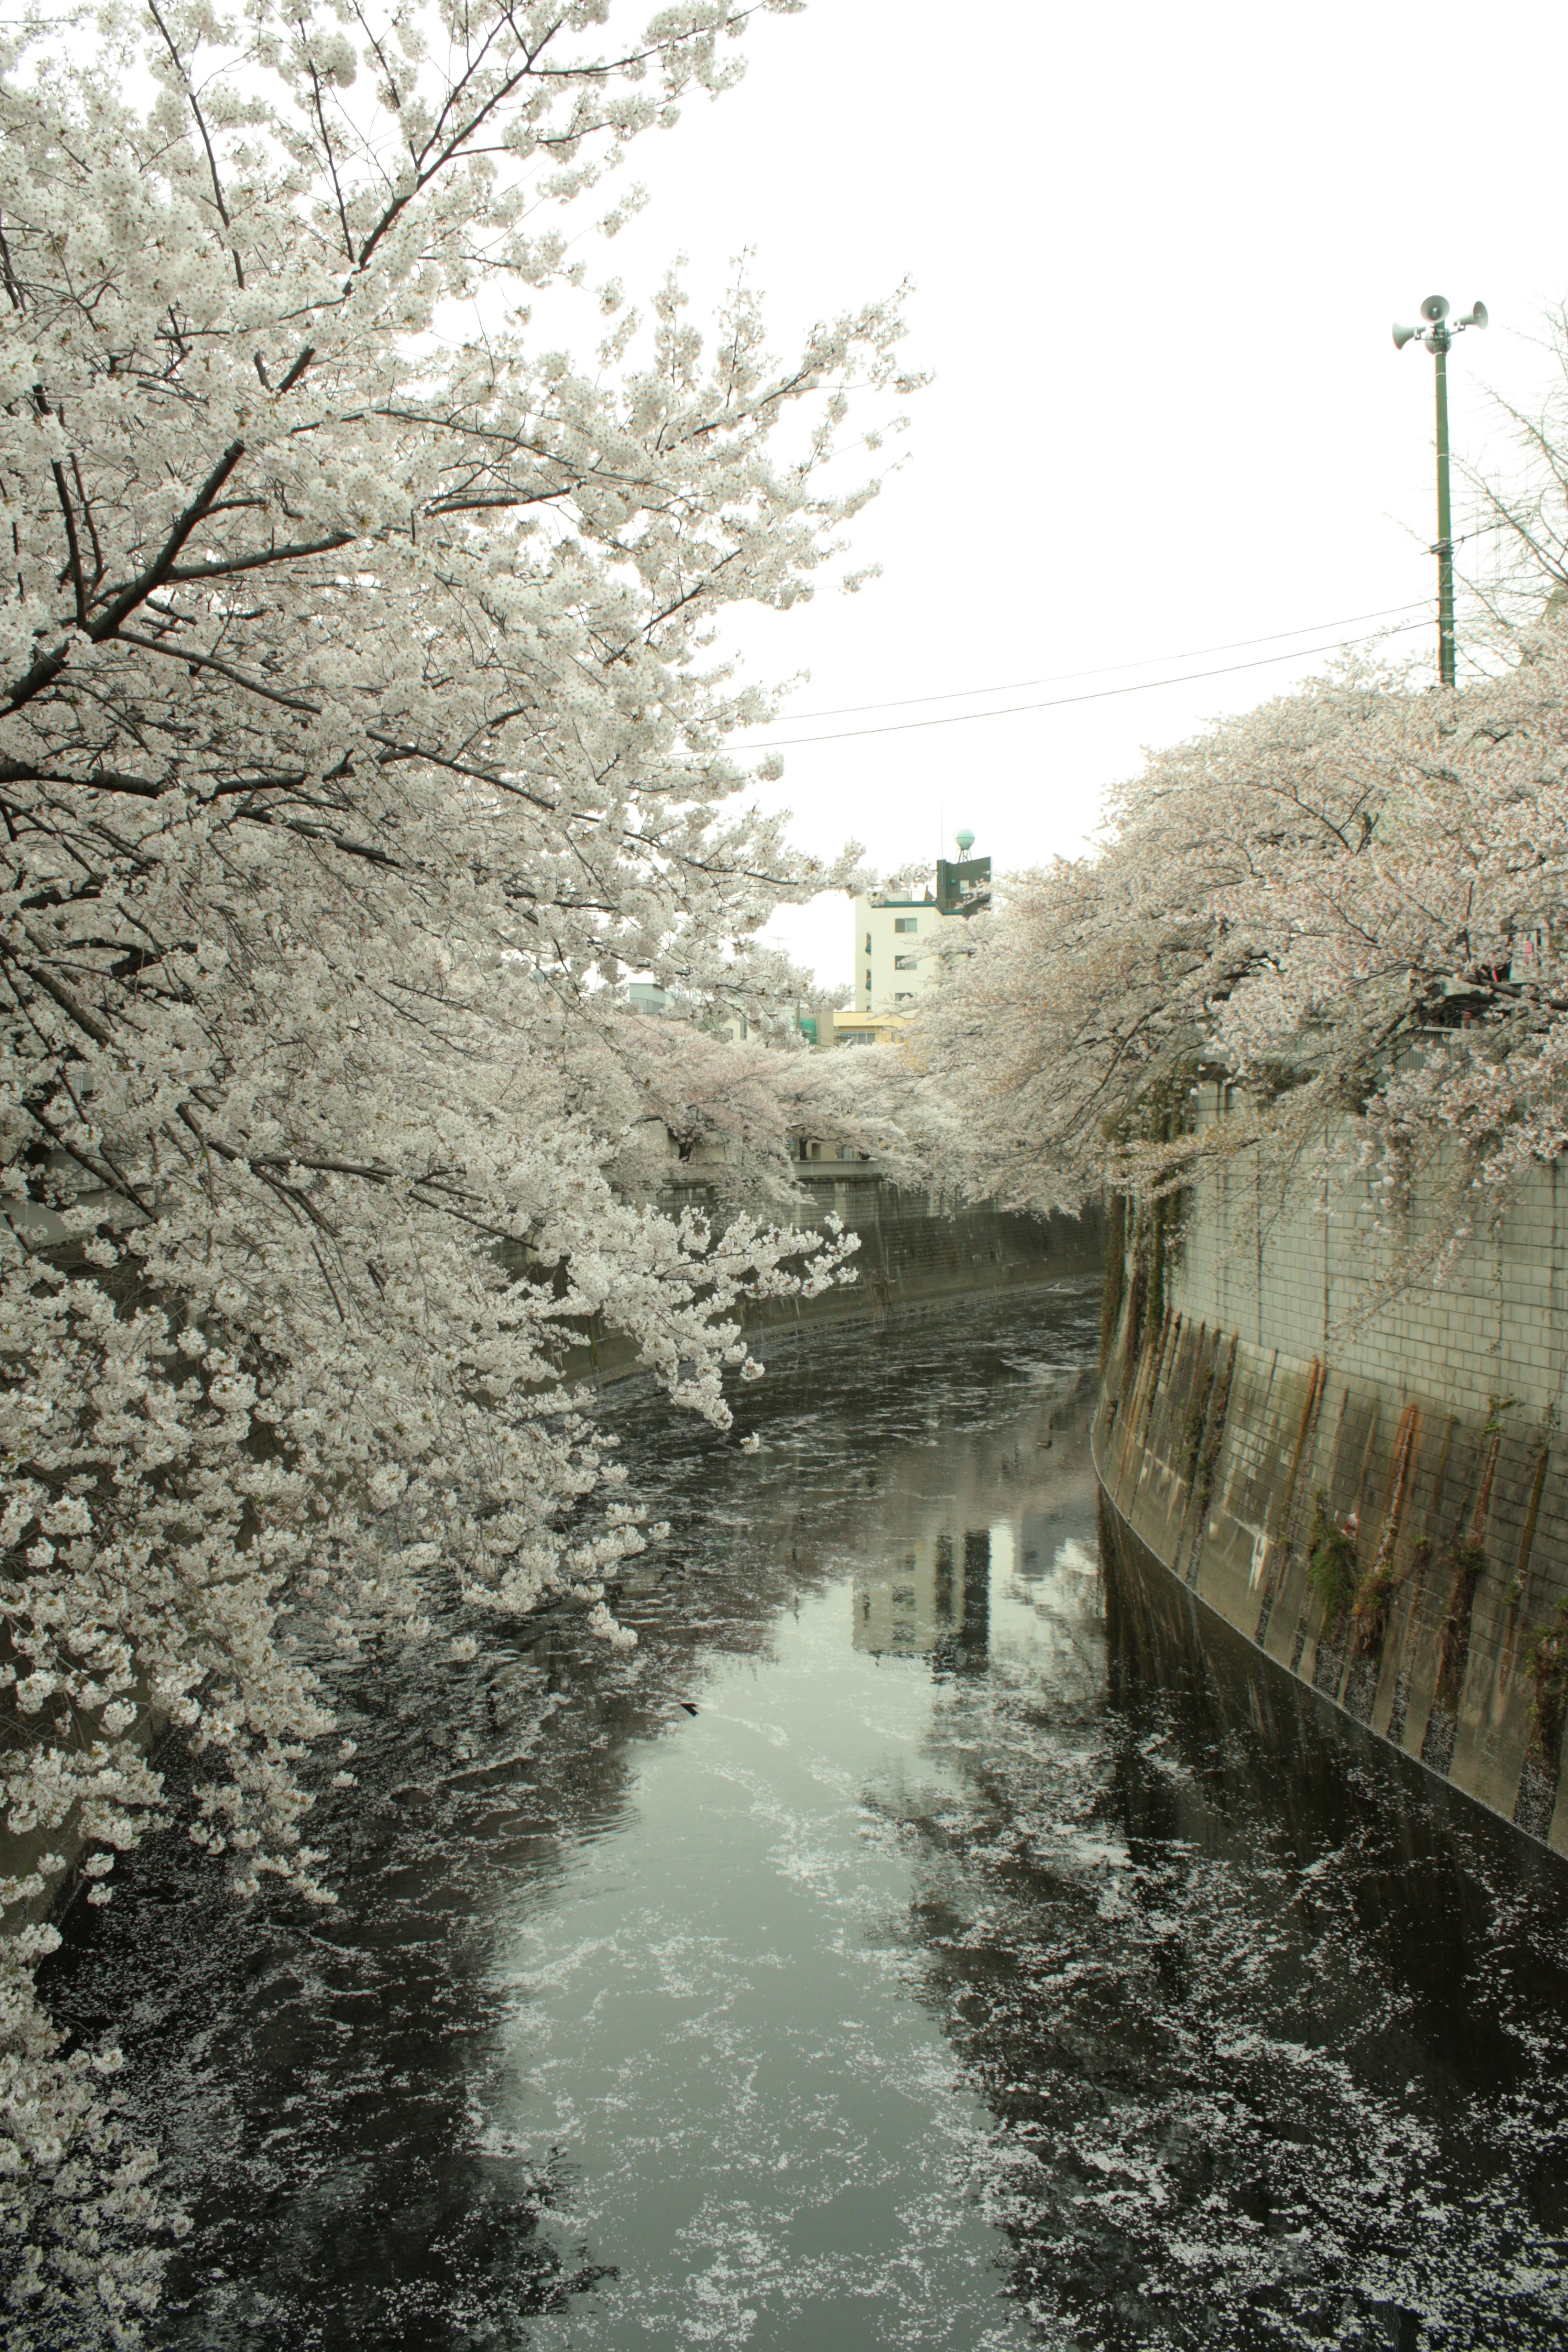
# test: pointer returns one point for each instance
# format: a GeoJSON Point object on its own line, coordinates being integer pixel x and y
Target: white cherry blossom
{"type": "Point", "coordinates": [362, 727]}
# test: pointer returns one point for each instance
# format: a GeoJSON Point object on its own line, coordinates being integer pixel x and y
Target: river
{"type": "Point", "coordinates": [910, 1945]}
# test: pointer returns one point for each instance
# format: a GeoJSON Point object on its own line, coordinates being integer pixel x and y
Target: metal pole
{"type": "Point", "coordinates": [1445, 520]}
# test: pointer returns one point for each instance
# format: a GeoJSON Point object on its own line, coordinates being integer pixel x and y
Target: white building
{"type": "Point", "coordinates": [899, 943]}
{"type": "Point", "coordinates": [895, 943]}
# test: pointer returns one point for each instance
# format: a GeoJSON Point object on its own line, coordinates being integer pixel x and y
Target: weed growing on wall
{"type": "Point", "coordinates": [1548, 1673]}
{"type": "Point", "coordinates": [1115, 1273]}
{"type": "Point", "coordinates": [1331, 1560]}
{"type": "Point", "coordinates": [1454, 1641]}
{"type": "Point", "coordinates": [1210, 1458]}
{"type": "Point", "coordinates": [1197, 1415]}
{"type": "Point", "coordinates": [1372, 1606]}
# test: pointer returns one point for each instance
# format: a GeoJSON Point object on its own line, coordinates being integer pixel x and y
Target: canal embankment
{"type": "Point", "coordinates": [1377, 1500]}
{"type": "Point", "coordinates": [917, 1255]}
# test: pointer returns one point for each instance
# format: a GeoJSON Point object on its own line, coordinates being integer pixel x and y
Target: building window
{"type": "Point", "coordinates": [906, 963]}
{"type": "Point", "coordinates": [868, 942]}
{"type": "Point", "coordinates": [868, 980]}
{"type": "Point", "coordinates": [904, 996]}
{"type": "Point", "coordinates": [906, 922]}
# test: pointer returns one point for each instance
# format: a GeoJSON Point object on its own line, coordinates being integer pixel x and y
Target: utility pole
{"type": "Point", "coordinates": [1439, 337]}
{"type": "Point", "coordinates": [1444, 525]}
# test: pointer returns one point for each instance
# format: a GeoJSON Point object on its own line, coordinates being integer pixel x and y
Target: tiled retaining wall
{"type": "Point", "coordinates": [1495, 1326]}
{"type": "Point", "coordinates": [1221, 1426]}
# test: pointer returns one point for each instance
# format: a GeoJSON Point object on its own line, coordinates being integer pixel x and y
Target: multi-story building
{"type": "Point", "coordinates": [899, 943]}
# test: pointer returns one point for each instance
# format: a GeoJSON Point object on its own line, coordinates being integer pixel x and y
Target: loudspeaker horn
{"type": "Point", "coordinates": [1402, 335]}
{"type": "Point", "coordinates": [1434, 308]}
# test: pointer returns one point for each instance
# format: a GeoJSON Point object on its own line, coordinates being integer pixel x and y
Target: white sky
{"type": "Point", "coordinates": [1157, 251]}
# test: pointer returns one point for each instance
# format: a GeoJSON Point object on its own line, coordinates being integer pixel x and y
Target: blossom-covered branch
{"type": "Point", "coordinates": [1350, 906]}
{"type": "Point", "coordinates": [361, 728]}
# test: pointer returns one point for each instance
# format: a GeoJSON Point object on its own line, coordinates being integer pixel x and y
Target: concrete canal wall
{"type": "Point", "coordinates": [914, 1256]}
{"type": "Point", "coordinates": [1382, 1510]}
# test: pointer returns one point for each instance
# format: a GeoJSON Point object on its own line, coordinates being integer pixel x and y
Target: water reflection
{"type": "Point", "coordinates": [922, 1608]}
{"type": "Point", "coordinates": [1273, 2034]}
{"type": "Point", "coordinates": [992, 1959]}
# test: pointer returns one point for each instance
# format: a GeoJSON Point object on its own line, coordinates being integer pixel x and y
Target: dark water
{"type": "Point", "coordinates": [990, 1962]}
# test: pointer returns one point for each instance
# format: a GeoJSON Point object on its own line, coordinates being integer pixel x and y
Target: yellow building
{"type": "Point", "coordinates": [866, 1028]}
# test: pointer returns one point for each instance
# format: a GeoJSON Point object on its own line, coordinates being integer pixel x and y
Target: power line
{"type": "Point", "coordinates": [1100, 694]}
{"type": "Point", "coordinates": [1103, 669]}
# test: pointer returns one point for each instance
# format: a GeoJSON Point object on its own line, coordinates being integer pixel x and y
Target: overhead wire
{"type": "Point", "coordinates": [1104, 669]}
{"type": "Point", "coordinates": [1063, 701]}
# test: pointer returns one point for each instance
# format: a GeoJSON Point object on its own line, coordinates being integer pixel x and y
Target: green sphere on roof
{"type": "Point", "coordinates": [965, 841]}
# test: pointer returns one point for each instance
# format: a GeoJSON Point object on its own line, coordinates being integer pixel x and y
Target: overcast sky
{"type": "Point", "coordinates": [1156, 252]}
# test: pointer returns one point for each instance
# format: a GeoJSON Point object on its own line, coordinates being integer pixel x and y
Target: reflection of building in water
{"type": "Point", "coordinates": [1038, 1537]}
{"type": "Point", "coordinates": [976, 1638]}
{"type": "Point", "coordinates": [932, 1604]}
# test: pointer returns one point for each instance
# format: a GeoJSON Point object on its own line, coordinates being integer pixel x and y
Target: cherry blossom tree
{"type": "Point", "coordinates": [725, 1115]}
{"type": "Point", "coordinates": [363, 726]}
{"type": "Point", "coordinates": [1349, 906]}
